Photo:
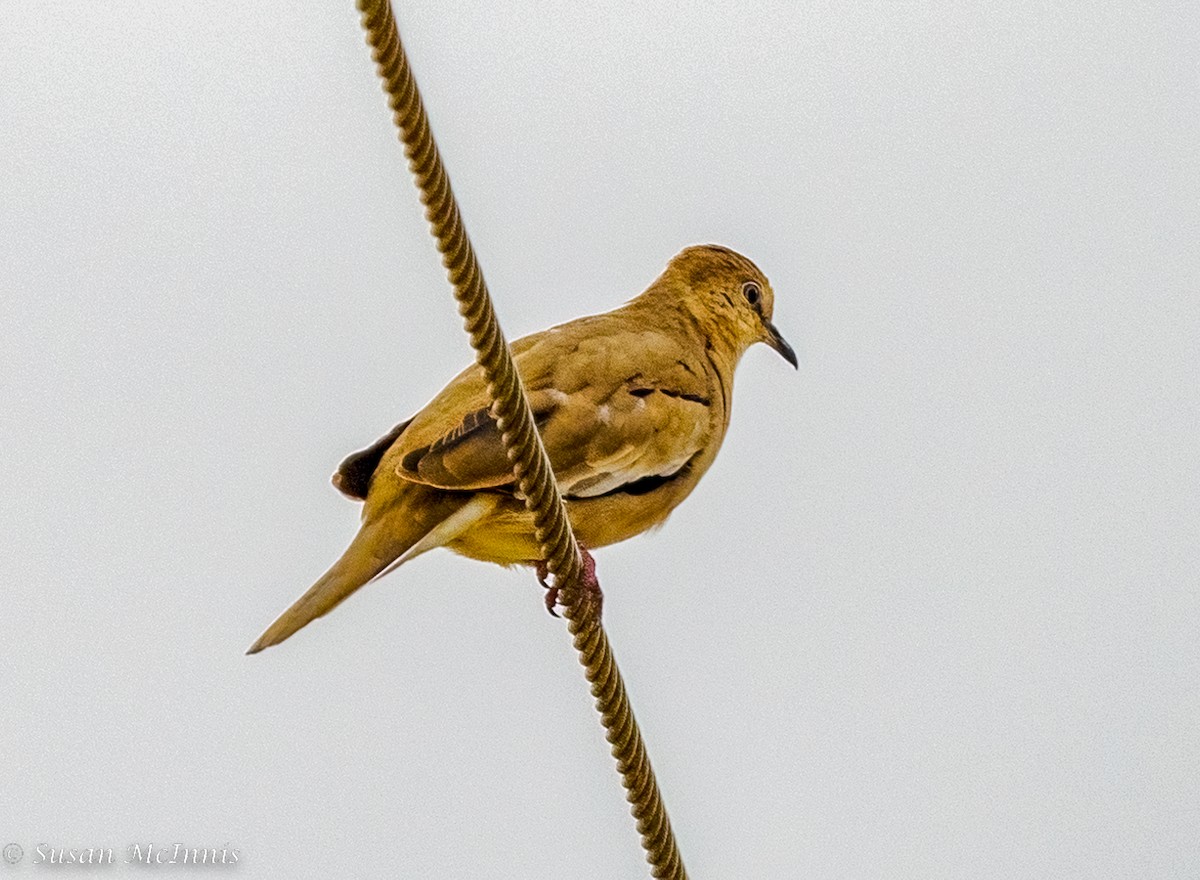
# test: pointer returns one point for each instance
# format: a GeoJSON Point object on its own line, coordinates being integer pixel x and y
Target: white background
{"type": "Point", "coordinates": [933, 613]}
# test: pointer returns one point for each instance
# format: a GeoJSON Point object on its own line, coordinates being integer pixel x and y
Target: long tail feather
{"type": "Point", "coordinates": [358, 564]}
{"type": "Point", "coordinates": [380, 546]}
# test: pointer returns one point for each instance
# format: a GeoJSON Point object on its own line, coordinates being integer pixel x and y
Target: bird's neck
{"type": "Point", "coordinates": [717, 333]}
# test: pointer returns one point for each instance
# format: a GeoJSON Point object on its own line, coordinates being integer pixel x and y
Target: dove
{"type": "Point", "coordinates": [632, 406]}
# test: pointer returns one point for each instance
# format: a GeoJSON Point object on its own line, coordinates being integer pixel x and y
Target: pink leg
{"type": "Point", "coordinates": [588, 582]}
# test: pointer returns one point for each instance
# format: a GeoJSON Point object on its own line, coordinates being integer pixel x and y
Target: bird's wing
{"type": "Point", "coordinates": [618, 409]}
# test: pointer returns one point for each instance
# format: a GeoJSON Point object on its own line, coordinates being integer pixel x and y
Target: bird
{"type": "Point", "coordinates": [632, 406]}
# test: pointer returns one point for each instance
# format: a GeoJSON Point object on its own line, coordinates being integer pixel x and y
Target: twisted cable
{"type": "Point", "coordinates": [531, 466]}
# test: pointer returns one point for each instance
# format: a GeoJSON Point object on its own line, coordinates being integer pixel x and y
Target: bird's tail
{"type": "Point", "coordinates": [361, 562]}
{"type": "Point", "coordinates": [380, 545]}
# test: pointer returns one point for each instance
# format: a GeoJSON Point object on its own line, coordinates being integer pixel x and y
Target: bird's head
{"type": "Point", "coordinates": [729, 297]}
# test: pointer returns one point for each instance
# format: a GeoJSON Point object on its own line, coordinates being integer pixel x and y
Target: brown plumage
{"type": "Point", "coordinates": [632, 406]}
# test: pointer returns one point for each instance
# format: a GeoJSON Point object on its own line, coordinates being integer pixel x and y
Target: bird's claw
{"type": "Point", "coordinates": [543, 572]}
{"type": "Point", "coordinates": [552, 600]}
{"type": "Point", "coordinates": [588, 582]}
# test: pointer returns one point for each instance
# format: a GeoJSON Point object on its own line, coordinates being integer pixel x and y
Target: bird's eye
{"type": "Point", "coordinates": [752, 293]}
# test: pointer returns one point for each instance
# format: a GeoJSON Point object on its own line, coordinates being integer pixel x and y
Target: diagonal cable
{"type": "Point", "coordinates": [531, 467]}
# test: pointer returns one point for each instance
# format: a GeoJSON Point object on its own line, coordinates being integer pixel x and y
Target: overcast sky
{"type": "Point", "coordinates": [932, 613]}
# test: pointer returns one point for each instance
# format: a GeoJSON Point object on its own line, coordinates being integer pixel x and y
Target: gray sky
{"type": "Point", "coordinates": [933, 613]}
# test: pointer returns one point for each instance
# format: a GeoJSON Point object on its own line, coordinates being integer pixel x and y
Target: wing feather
{"type": "Point", "coordinates": [614, 406]}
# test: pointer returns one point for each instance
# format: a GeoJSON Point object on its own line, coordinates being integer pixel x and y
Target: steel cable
{"type": "Point", "coordinates": [531, 467]}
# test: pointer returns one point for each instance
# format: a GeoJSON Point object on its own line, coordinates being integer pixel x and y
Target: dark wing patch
{"type": "Point", "coordinates": [469, 456]}
{"type": "Point", "coordinates": [471, 423]}
{"type": "Point", "coordinates": [640, 486]}
{"type": "Point", "coordinates": [694, 398]}
{"type": "Point", "coordinates": [353, 477]}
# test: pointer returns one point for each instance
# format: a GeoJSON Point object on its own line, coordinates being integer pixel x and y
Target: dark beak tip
{"type": "Point", "coordinates": [789, 354]}
{"type": "Point", "coordinates": [780, 344]}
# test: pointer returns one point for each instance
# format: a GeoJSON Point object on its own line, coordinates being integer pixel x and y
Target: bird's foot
{"type": "Point", "coordinates": [588, 583]}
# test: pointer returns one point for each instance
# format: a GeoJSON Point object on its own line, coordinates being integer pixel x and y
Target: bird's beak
{"type": "Point", "coordinates": [777, 342]}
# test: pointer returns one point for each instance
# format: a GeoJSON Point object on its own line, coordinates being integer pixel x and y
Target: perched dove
{"type": "Point", "coordinates": [632, 406]}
